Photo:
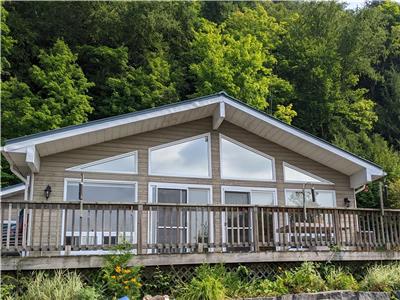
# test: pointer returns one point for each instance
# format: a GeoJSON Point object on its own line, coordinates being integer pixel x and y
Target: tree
{"type": "Point", "coordinates": [238, 60]}
{"type": "Point", "coordinates": [7, 42]}
{"type": "Point", "coordinates": [122, 88]}
{"type": "Point", "coordinates": [57, 98]}
{"type": "Point", "coordinates": [321, 56]}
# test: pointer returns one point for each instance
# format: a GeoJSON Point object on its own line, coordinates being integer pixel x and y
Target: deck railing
{"type": "Point", "coordinates": [71, 228]}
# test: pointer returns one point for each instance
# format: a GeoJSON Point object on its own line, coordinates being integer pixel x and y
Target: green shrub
{"type": "Point", "coordinates": [383, 278]}
{"type": "Point", "coordinates": [121, 280]}
{"type": "Point", "coordinates": [7, 287]}
{"type": "Point", "coordinates": [305, 279]}
{"type": "Point", "coordinates": [161, 283]}
{"type": "Point", "coordinates": [272, 288]}
{"type": "Point", "coordinates": [88, 293]}
{"type": "Point", "coordinates": [338, 279]}
{"type": "Point", "coordinates": [206, 285]}
{"type": "Point", "coordinates": [62, 286]}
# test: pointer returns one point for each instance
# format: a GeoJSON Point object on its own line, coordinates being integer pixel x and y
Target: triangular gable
{"type": "Point", "coordinates": [120, 164]}
{"type": "Point", "coordinates": [296, 175]}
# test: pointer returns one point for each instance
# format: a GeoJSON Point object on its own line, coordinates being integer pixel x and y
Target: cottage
{"type": "Point", "coordinates": [208, 179]}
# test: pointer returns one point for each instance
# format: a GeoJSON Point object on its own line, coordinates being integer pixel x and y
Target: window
{"type": "Point", "coordinates": [101, 227]}
{"type": "Point", "coordinates": [120, 164]}
{"type": "Point", "coordinates": [241, 162]}
{"type": "Point", "coordinates": [103, 191]}
{"type": "Point", "coordinates": [172, 226]}
{"type": "Point", "coordinates": [249, 195]}
{"type": "Point", "coordinates": [238, 227]}
{"type": "Point", "coordinates": [297, 175]}
{"type": "Point", "coordinates": [323, 198]}
{"type": "Point", "coordinates": [184, 158]}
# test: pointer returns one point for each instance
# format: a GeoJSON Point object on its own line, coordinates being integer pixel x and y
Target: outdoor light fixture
{"type": "Point", "coordinates": [47, 192]}
{"type": "Point", "coordinates": [346, 202]}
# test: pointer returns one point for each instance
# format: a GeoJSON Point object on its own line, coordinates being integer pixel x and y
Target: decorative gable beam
{"type": "Point", "coordinates": [219, 115]}
{"type": "Point", "coordinates": [33, 159]}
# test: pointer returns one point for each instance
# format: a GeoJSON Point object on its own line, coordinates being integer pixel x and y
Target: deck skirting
{"type": "Point", "coordinates": [14, 263]}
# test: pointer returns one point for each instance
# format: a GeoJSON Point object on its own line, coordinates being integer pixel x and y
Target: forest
{"type": "Point", "coordinates": [329, 70]}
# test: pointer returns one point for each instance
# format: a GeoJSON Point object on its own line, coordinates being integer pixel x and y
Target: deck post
{"type": "Point", "coordinates": [387, 245]}
{"type": "Point", "coordinates": [139, 229]}
{"type": "Point", "coordinates": [255, 229]}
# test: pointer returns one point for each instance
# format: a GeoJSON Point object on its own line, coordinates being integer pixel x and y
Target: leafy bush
{"type": "Point", "coordinates": [338, 279]}
{"type": "Point", "coordinates": [7, 287]}
{"type": "Point", "coordinates": [206, 285]}
{"type": "Point", "coordinates": [383, 278]}
{"type": "Point", "coordinates": [120, 279]}
{"type": "Point", "coordinates": [88, 293]}
{"type": "Point", "coordinates": [305, 279]}
{"type": "Point", "coordinates": [62, 286]}
{"type": "Point", "coordinates": [160, 284]}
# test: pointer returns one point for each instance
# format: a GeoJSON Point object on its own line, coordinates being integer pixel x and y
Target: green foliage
{"type": "Point", "coordinates": [234, 56]}
{"type": "Point", "coordinates": [285, 113]}
{"type": "Point", "coordinates": [304, 279]}
{"type": "Point", "coordinates": [62, 286]}
{"type": "Point", "coordinates": [205, 285]}
{"type": "Point", "coordinates": [60, 99]}
{"type": "Point", "coordinates": [161, 283]}
{"type": "Point", "coordinates": [7, 41]}
{"type": "Point", "coordinates": [338, 279]}
{"type": "Point", "coordinates": [120, 279]}
{"type": "Point", "coordinates": [383, 278]}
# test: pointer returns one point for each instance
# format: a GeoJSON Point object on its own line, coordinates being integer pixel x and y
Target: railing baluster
{"type": "Point", "coordinates": [17, 227]}
{"type": "Point", "coordinates": [49, 229]}
{"type": "Point", "coordinates": [9, 226]}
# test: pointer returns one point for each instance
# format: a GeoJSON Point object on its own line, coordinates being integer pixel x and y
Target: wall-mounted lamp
{"type": "Point", "coordinates": [346, 202]}
{"type": "Point", "coordinates": [47, 192]}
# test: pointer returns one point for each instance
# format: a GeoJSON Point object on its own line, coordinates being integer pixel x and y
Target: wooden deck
{"type": "Point", "coordinates": [73, 234]}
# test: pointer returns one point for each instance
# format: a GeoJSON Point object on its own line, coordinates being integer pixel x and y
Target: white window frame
{"type": "Point", "coordinates": [222, 136]}
{"type": "Point", "coordinates": [151, 234]}
{"type": "Point", "coordinates": [208, 135]}
{"type": "Point", "coordinates": [322, 180]}
{"type": "Point", "coordinates": [229, 188]}
{"type": "Point", "coordinates": [81, 168]}
{"type": "Point", "coordinates": [308, 189]}
{"type": "Point", "coordinates": [106, 234]}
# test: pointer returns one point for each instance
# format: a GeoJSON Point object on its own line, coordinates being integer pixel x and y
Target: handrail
{"type": "Point", "coordinates": [146, 204]}
{"type": "Point", "coordinates": [61, 227]}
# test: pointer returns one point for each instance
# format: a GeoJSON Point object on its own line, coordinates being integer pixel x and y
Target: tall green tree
{"type": "Point", "coordinates": [237, 59]}
{"type": "Point", "coordinates": [58, 96]}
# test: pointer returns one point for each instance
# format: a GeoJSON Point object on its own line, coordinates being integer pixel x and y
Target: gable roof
{"type": "Point", "coordinates": [234, 111]}
{"type": "Point", "coordinates": [12, 190]}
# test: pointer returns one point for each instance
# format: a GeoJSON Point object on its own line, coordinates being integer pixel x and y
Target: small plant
{"type": "Point", "coordinates": [120, 279]}
{"type": "Point", "coordinates": [161, 283]}
{"type": "Point", "coordinates": [88, 293]}
{"type": "Point", "coordinates": [305, 279]}
{"type": "Point", "coordinates": [338, 279]}
{"type": "Point", "coordinates": [382, 278]}
{"type": "Point", "coordinates": [62, 286]}
{"type": "Point", "coordinates": [7, 287]}
{"type": "Point", "coordinates": [206, 285]}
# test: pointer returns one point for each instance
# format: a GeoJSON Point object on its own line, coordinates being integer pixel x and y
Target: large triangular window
{"type": "Point", "coordinates": [297, 175]}
{"type": "Point", "coordinates": [184, 158]}
{"type": "Point", "coordinates": [239, 161]}
{"type": "Point", "coordinates": [120, 164]}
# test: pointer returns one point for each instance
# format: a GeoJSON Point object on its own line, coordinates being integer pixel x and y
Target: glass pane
{"type": "Point", "coordinates": [262, 197]}
{"type": "Point", "coordinates": [241, 163]}
{"type": "Point", "coordinates": [125, 164]}
{"type": "Point", "coordinates": [101, 192]}
{"type": "Point", "coordinates": [297, 176]}
{"type": "Point", "coordinates": [185, 159]}
{"type": "Point", "coordinates": [198, 219]}
{"type": "Point", "coordinates": [237, 197]}
{"type": "Point", "coordinates": [171, 196]}
{"type": "Point", "coordinates": [323, 198]}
